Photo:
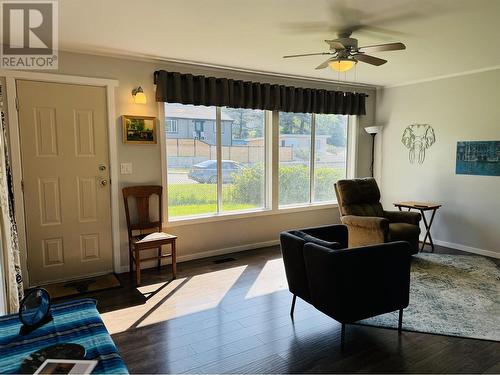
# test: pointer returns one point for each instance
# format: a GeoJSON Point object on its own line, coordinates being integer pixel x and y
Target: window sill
{"type": "Point", "coordinates": [247, 214]}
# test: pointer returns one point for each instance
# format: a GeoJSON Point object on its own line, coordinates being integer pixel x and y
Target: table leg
{"type": "Point", "coordinates": [426, 230]}
{"type": "Point", "coordinates": [400, 209]}
{"type": "Point", "coordinates": [429, 230]}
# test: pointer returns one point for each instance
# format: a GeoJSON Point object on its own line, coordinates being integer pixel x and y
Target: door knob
{"type": "Point", "coordinates": [103, 182]}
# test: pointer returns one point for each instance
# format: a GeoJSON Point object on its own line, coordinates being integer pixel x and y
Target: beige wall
{"type": "Point", "coordinates": [196, 239]}
{"type": "Point", "coordinates": [459, 109]}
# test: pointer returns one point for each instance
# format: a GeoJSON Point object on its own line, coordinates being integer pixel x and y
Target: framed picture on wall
{"type": "Point", "coordinates": [139, 129]}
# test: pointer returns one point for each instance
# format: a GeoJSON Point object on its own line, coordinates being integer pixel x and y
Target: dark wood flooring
{"type": "Point", "coordinates": [233, 317]}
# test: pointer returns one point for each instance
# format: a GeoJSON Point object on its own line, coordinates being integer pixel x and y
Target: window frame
{"type": "Point", "coordinates": [271, 171]}
{"type": "Point", "coordinates": [172, 122]}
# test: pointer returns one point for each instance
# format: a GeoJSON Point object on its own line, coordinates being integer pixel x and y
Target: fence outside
{"type": "Point", "coordinates": [196, 149]}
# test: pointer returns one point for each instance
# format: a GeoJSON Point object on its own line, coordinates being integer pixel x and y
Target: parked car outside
{"type": "Point", "coordinates": [206, 171]}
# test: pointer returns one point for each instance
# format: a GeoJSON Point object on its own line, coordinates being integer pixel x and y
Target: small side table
{"type": "Point", "coordinates": [422, 207]}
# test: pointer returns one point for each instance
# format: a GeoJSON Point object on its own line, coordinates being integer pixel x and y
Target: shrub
{"type": "Point", "coordinates": [293, 184]}
{"type": "Point", "coordinates": [248, 186]}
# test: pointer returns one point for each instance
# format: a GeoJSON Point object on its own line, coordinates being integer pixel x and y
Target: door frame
{"type": "Point", "coordinates": [15, 152]}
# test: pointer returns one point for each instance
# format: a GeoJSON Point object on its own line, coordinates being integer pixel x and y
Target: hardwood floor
{"type": "Point", "coordinates": [233, 317]}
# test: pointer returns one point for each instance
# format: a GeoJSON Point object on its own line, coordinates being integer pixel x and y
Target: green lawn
{"type": "Point", "coordinates": [199, 199]}
{"type": "Point", "coordinates": [200, 209]}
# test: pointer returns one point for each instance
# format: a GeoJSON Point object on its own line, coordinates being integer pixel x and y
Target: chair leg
{"type": "Point", "coordinates": [400, 320]}
{"type": "Point", "coordinates": [130, 260]}
{"type": "Point", "coordinates": [138, 267]}
{"type": "Point", "coordinates": [293, 305]}
{"type": "Point", "coordinates": [342, 336]}
{"type": "Point", "coordinates": [174, 261]}
{"type": "Point", "coordinates": [159, 259]}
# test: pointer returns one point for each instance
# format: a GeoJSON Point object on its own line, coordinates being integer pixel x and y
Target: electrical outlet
{"type": "Point", "coordinates": [126, 168]}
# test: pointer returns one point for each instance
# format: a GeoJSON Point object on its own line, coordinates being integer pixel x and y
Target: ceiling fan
{"type": "Point", "coordinates": [345, 53]}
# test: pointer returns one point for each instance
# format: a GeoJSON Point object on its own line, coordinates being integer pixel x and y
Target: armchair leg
{"type": "Point", "coordinates": [293, 305]}
{"type": "Point", "coordinates": [400, 321]}
{"type": "Point", "coordinates": [342, 336]}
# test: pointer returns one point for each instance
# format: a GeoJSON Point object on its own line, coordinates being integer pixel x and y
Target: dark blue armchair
{"type": "Point", "coordinates": [347, 284]}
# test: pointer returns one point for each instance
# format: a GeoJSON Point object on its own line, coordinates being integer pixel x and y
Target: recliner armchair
{"type": "Point", "coordinates": [347, 284]}
{"type": "Point", "coordinates": [367, 221]}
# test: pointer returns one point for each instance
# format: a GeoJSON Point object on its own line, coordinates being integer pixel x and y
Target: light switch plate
{"type": "Point", "coordinates": [126, 168]}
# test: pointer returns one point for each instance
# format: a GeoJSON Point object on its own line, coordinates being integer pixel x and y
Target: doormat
{"type": "Point", "coordinates": [76, 287]}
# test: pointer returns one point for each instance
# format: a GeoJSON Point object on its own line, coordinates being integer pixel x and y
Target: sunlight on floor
{"type": "Point", "coordinates": [268, 280]}
{"type": "Point", "coordinates": [180, 297]}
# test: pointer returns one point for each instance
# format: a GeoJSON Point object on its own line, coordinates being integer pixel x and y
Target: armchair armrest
{"type": "Point", "coordinates": [358, 283]}
{"type": "Point", "coordinates": [408, 217]}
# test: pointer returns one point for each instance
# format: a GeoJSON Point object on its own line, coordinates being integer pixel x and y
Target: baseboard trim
{"type": "Point", "coordinates": [211, 253]}
{"type": "Point", "coordinates": [468, 249]}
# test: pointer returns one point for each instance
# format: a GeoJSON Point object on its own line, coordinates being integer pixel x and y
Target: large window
{"type": "Point", "coordinates": [215, 160]}
{"type": "Point", "coordinates": [191, 162]}
{"type": "Point", "coordinates": [295, 158]}
{"type": "Point", "coordinates": [243, 154]}
{"type": "Point", "coordinates": [219, 159]}
{"type": "Point", "coordinates": [312, 157]}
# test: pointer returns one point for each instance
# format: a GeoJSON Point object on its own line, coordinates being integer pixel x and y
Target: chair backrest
{"type": "Point", "coordinates": [142, 196]}
{"type": "Point", "coordinates": [359, 282]}
{"type": "Point", "coordinates": [359, 197]}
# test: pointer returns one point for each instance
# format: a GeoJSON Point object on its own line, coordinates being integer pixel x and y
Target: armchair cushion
{"type": "Point", "coordinates": [408, 217]}
{"type": "Point", "coordinates": [366, 222]}
{"type": "Point", "coordinates": [318, 241]}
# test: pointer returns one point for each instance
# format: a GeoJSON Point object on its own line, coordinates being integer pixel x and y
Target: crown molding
{"type": "Point", "coordinates": [445, 76]}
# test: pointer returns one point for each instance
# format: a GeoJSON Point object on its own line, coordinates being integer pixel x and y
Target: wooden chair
{"type": "Point", "coordinates": [150, 234]}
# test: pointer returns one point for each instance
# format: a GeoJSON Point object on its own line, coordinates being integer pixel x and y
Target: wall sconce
{"type": "Point", "coordinates": [139, 96]}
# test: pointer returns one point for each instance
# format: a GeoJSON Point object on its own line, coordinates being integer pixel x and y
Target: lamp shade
{"type": "Point", "coordinates": [342, 65]}
{"type": "Point", "coordinates": [373, 129]}
{"type": "Point", "coordinates": [139, 96]}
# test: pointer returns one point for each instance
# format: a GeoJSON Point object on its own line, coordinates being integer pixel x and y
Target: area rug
{"type": "Point", "coordinates": [455, 295]}
{"type": "Point", "coordinates": [76, 287]}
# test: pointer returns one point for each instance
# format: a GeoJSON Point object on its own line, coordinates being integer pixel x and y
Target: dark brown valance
{"type": "Point", "coordinates": [174, 87]}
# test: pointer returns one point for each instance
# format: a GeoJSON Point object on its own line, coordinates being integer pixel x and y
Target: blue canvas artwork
{"type": "Point", "coordinates": [478, 158]}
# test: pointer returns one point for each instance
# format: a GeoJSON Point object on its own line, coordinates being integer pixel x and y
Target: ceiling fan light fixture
{"type": "Point", "coordinates": [342, 65]}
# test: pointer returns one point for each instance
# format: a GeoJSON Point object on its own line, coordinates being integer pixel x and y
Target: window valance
{"type": "Point", "coordinates": [175, 87]}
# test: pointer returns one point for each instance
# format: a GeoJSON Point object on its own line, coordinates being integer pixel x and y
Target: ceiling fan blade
{"type": "Point", "coordinates": [324, 64]}
{"type": "Point", "coordinates": [383, 47]}
{"type": "Point", "coordinates": [307, 54]}
{"type": "Point", "coordinates": [369, 59]}
{"type": "Point", "coordinates": [335, 45]}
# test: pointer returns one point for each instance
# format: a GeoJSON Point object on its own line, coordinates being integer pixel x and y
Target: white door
{"type": "Point", "coordinates": [64, 150]}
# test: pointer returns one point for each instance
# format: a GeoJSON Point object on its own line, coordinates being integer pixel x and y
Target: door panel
{"type": "Point", "coordinates": [64, 149]}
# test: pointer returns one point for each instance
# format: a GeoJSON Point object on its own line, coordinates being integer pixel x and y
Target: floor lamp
{"type": "Point", "coordinates": [373, 131]}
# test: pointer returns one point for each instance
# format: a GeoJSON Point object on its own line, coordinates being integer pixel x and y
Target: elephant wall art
{"type": "Point", "coordinates": [417, 138]}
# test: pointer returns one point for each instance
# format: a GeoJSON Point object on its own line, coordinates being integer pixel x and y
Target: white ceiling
{"type": "Point", "coordinates": [442, 36]}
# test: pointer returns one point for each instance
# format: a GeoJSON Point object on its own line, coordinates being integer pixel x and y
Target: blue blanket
{"type": "Point", "coordinates": [76, 321]}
